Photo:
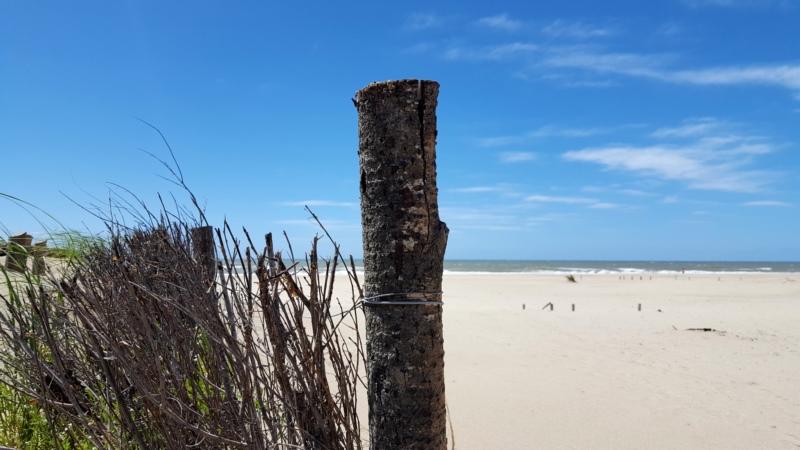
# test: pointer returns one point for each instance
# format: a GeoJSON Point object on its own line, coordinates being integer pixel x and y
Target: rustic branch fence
{"type": "Point", "coordinates": [167, 336]}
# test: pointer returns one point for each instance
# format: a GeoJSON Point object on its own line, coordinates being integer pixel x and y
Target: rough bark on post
{"type": "Point", "coordinates": [203, 250]}
{"type": "Point", "coordinates": [404, 245]}
{"type": "Point", "coordinates": [17, 252]}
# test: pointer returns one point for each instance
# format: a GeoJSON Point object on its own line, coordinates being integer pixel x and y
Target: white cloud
{"type": "Point", "coordinates": [767, 203]}
{"type": "Point", "coordinates": [619, 63]}
{"type": "Point", "coordinates": [546, 131]}
{"type": "Point", "coordinates": [490, 53]}
{"type": "Point", "coordinates": [421, 21]}
{"type": "Point", "coordinates": [570, 64]}
{"type": "Point", "coordinates": [499, 141]}
{"type": "Point", "coordinates": [698, 166]}
{"type": "Point", "coordinates": [635, 192]}
{"type": "Point", "coordinates": [552, 217]}
{"type": "Point", "coordinates": [576, 30]}
{"type": "Point", "coordinates": [715, 158]}
{"type": "Point", "coordinates": [587, 202]}
{"type": "Point", "coordinates": [604, 205]}
{"type": "Point", "coordinates": [691, 129]}
{"type": "Point", "coordinates": [655, 67]}
{"type": "Point", "coordinates": [512, 157]}
{"type": "Point", "coordinates": [699, 3]}
{"type": "Point", "coordinates": [553, 131]}
{"type": "Point", "coordinates": [590, 84]}
{"type": "Point", "coordinates": [737, 3]}
{"type": "Point", "coordinates": [786, 75]}
{"type": "Point", "coordinates": [501, 22]}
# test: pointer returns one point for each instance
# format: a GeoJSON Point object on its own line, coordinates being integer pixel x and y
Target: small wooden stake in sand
{"type": "Point", "coordinates": [573, 307]}
{"type": "Point", "coordinates": [17, 252]}
{"type": "Point", "coordinates": [639, 307]}
{"type": "Point", "coordinates": [404, 244]}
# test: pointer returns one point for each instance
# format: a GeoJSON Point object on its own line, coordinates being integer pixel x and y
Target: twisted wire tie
{"type": "Point", "coordinates": [408, 300]}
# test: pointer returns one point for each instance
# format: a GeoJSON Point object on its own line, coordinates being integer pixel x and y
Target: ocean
{"type": "Point", "coordinates": [616, 267]}
{"type": "Point", "coordinates": [558, 267]}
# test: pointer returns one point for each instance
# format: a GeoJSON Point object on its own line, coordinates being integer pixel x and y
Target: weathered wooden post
{"type": "Point", "coordinates": [17, 252]}
{"type": "Point", "coordinates": [404, 245]}
{"type": "Point", "coordinates": [203, 250]}
{"type": "Point", "coordinates": [39, 251]}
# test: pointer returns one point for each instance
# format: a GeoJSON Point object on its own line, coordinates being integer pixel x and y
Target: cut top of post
{"type": "Point", "coordinates": [393, 88]}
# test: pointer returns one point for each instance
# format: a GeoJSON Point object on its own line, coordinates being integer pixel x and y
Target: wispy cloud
{"type": "Point", "coordinates": [547, 131]}
{"type": "Point", "coordinates": [513, 157]}
{"type": "Point", "coordinates": [657, 67]}
{"type": "Point", "coordinates": [785, 75]}
{"type": "Point", "coordinates": [767, 203]}
{"type": "Point", "coordinates": [670, 199]}
{"type": "Point", "coordinates": [703, 153]}
{"type": "Point", "coordinates": [552, 217]}
{"type": "Point", "coordinates": [692, 128]}
{"type": "Point", "coordinates": [725, 3]}
{"type": "Point", "coordinates": [584, 201]}
{"type": "Point", "coordinates": [500, 22]}
{"type": "Point", "coordinates": [490, 53]}
{"type": "Point", "coordinates": [590, 64]}
{"type": "Point", "coordinates": [320, 203]}
{"type": "Point", "coordinates": [736, 3]}
{"type": "Point", "coordinates": [576, 30]}
{"type": "Point", "coordinates": [604, 205]}
{"type": "Point", "coordinates": [618, 63]}
{"type": "Point", "coordinates": [421, 21]}
{"type": "Point", "coordinates": [705, 164]}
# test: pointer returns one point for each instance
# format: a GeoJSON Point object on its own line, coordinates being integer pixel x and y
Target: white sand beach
{"type": "Point", "coordinates": [608, 376]}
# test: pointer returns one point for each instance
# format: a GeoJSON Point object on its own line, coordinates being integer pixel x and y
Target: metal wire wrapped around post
{"type": "Point", "coordinates": [406, 299]}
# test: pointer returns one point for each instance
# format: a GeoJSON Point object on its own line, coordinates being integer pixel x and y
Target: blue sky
{"type": "Point", "coordinates": [657, 130]}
